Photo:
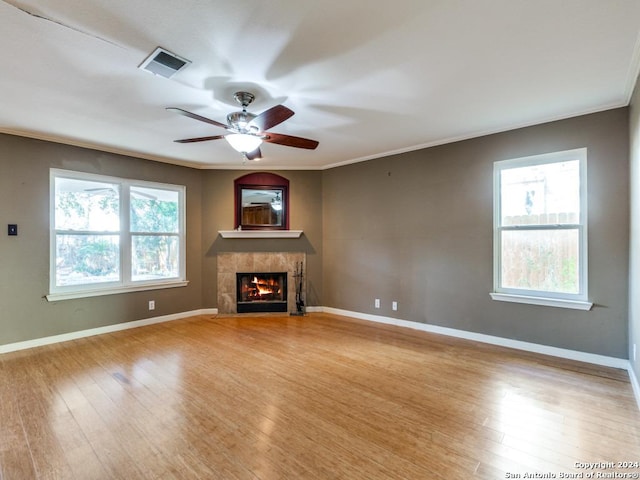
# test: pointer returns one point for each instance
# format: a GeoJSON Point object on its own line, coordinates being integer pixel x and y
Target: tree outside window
{"type": "Point", "coordinates": [108, 231]}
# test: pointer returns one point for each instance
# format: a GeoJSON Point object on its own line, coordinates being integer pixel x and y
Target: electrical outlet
{"type": "Point", "coordinates": [152, 304]}
{"type": "Point", "coordinates": [394, 306]}
{"type": "Point", "coordinates": [376, 303]}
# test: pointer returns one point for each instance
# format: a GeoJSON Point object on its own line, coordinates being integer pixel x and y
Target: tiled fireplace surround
{"type": "Point", "coordinates": [232, 262]}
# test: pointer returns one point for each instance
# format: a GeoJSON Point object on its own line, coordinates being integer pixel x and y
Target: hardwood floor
{"type": "Point", "coordinates": [314, 397]}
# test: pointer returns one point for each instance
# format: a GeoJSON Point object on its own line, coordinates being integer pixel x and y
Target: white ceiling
{"type": "Point", "coordinates": [366, 78]}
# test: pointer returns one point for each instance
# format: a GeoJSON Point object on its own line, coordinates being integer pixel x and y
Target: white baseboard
{"type": "Point", "coordinates": [478, 337]}
{"type": "Point", "coordinates": [499, 341]}
{"type": "Point", "coordinates": [592, 358]}
{"type": "Point", "coordinates": [634, 384]}
{"type": "Point", "coordinates": [38, 342]}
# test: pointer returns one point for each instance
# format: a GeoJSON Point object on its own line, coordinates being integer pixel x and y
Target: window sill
{"type": "Point", "coordinates": [54, 297]}
{"type": "Point", "coordinates": [548, 302]}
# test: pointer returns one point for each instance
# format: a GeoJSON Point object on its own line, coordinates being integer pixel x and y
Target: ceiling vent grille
{"type": "Point", "coordinates": [164, 63]}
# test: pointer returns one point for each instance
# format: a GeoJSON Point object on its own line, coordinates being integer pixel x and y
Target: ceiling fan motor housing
{"type": "Point", "coordinates": [239, 121]}
{"type": "Point", "coordinates": [244, 98]}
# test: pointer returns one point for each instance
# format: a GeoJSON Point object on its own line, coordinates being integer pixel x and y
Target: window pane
{"type": "Point", "coordinates": [87, 259]}
{"type": "Point", "coordinates": [544, 260]}
{"type": "Point", "coordinates": [154, 210]}
{"type": "Point", "coordinates": [86, 205]}
{"type": "Point", "coordinates": [154, 257]}
{"type": "Point", "coordinates": [544, 194]}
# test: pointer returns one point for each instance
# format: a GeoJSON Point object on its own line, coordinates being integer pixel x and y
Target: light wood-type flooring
{"type": "Point", "coordinates": [317, 397]}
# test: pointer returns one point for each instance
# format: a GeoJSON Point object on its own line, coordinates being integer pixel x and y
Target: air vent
{"type": "Point", "coordinates": [164, 63]}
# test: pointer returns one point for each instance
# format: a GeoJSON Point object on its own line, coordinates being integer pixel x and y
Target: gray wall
{"type": "Point", "coordinates": [417, 228]}
{"type": "Point", "coordinates": [634, 277]}
{"type": "Point", "coordinates": [305, 199]}
{"type": "Point", "coordinates": [24, 260]}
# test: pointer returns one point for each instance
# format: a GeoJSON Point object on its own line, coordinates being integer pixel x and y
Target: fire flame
{"type": "Point", "coordinates": [264, 289]}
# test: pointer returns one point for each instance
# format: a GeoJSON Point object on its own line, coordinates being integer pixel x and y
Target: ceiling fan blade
{"type": "Point", "coordinates": [272, 117]}
{"type": "Point", "coordinates": [199, 139]}
{"type": "Point", "coordinates": [291, 141]}
{"type": "Point", "coordinates": [255, 155]}
{"type": "Point", "coordinates": [197, 117]}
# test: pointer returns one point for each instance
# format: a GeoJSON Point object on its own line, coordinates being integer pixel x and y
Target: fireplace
{"type": "Point", "coordinates": [261, 292]}
{"type": "Point", "coordinates": [230, 263]}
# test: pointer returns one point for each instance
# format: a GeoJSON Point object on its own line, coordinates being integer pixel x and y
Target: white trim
{"type": "Point", "coordinates": [54, 297]}
{"type": "Point", "coordinates": [592, 358]}
{"type": "Point", "coordinates": [124, 283]}
{"type": "Point", "coordinates": [490, 339]}
{"type": "Point", "coordinates": [260, 233]}
{"type": "Point", "coordinates": [549, 302]}
{"type": "Point", "coordinates": [634, 70]}
{"type": "Point", "coordinates": [634, 384]}
{"type": "Point", "coordinates": [448, 140]}
{"type": "Point", "coordinates": [196, 164]}
{"type": "Point", "coordinates": [65, 337]}
{"type": "Point", "coordinates": [579, 300]}
{"type": "Point", "coordinates": [478, 337]}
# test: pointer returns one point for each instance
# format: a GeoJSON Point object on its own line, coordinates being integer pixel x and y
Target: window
{"type": "Point", "coordinates": [111, 235]}
{"type": "Point", "coordinates": [540, 230]}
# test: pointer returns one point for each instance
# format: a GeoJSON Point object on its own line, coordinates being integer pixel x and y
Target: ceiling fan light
{"type": "Point", "coordinates": [242, 142]}
{"type": "Point", "coordinates": [276, 203]}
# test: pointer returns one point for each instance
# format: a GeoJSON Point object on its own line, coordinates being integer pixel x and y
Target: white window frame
{"type": "Point", "coordinates": [577, 301]}
{"type": "Point", "coordinates": [125, 283]}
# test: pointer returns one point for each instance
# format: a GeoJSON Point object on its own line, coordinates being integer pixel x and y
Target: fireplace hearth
{"type": "Point", "coordinates": [261, 292]}
{"type": "Point", "coordinates": [230, 263]}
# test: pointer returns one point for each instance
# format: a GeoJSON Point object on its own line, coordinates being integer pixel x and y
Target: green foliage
{"type": "Point", "coordinates": [155, 256]}
{"type": "Point", "coordinates": [83, 210]}
{"type": "Point", "coordinates": [96, 258]}
{"type": "Point", "coordinates": [569, 274]}
{"type": "Point", "coordinates": [84, 258]}
{"type": "Point", "coordinates": [69, 204]}
{"type": "Point", "coordinates": [153, 215]}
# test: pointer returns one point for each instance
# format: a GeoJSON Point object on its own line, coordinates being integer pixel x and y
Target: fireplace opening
{"type": "Point", "coordinates": [261, 292]}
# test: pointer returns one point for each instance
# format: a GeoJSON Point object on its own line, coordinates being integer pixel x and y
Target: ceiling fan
{"type": "Point", "coordinates": [247, 130]}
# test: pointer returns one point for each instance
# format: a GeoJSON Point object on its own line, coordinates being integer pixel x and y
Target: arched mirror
{"type": "Point", "coordinates": [262, 202]}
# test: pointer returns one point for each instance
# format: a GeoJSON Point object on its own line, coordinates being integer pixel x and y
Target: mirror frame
{"type": "Point", "coordinates": [261, 181]}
